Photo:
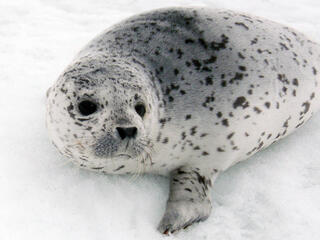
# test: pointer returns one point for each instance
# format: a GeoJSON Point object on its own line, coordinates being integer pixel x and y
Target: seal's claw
{"type": "Point", "coordinates": [182, 214]}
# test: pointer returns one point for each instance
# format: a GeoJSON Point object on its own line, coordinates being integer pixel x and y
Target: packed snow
{"type": "Point", "coordinates": [274, 195]}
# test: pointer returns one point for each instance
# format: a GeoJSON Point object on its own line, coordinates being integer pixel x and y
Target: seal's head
{"type": "Point", "coordinates": [103, 113]}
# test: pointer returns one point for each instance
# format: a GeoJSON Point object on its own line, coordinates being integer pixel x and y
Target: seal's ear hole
{"type": "Point", "coordinates": [140, 109]}
{"type": "Point", "coordinates": [87, 107]}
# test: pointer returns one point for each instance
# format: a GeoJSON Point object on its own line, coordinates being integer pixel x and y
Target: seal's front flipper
{"type": "Point", "coordinates": [189, 200]}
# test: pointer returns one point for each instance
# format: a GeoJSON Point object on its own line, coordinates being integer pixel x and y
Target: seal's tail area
{"type": "Point", "coordinates": [47, 93]}
{"type": "Point", "coordinates": [316, 71]}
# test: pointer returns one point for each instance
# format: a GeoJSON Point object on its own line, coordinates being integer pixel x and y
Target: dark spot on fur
{"type": "Point", "coordinates": [294, 93]}
{"type": "Point", "coordinates": [69, 109]}
{"type": "Point", "coordinates": [225, 122]}
{"type": "Point", "coordinates": [162, 121]}
{"type": "Point", "coordinates": [283, 46]}
{"type": "Point", "coordinates": [230, 135]}
{"type": "Point", "coordinates": [306, 106]}
{"type": "Point", "coordinates": [254, 41]}
{"type": "Point", "coordinates": [220, 45]}
{"type": "Point", "coordinates": [117, 169]}
{"type": "Point", "coordinates": [312, 96]}
{"type": "Point", "coordinates": [267, 104]}
{"type": "Point", "coordinates": [242, 68]}
{"type": "Point", "coordinates": [260, 145]}
{"type": "Point", "coordinates": [209, 81]}
{"type": "Point", "coordinates": [241, 102]}
{"type": "Point", "coordinates": [189, 40]}
{"type": "Point", "coordinates": [284, 89]}
{"type": "Point", "coordinates": [314, 70]}
{"type": "Point", "coordinates": [299, 124]}
{"type": "Point", "coordinates": [257, 110]}
{"type": "Point", "coordinates": [242, 24]}
{"type": "Point", "coordinates": [183, 135]}
{"type": "Point", "coordinates": [223, 83]}
{"type": "Point", "coordinates": [282, 78]}
{"type": "Point", "coordinates": [203, 43]}
{"type": "Point", "coordinates": [193, 130]}
{"type": "Point", "coordinates": [240, 55]}
{"type": "Point", "coordinates": [180, 53]}
{"type": "Point", "coordinates": [98, 168]}
{"type": "Point", "coordinates": [220, 149]}
{"type": "Point", "coordinates": [196, 63]}
{"type": "Point", "coordinates": [159, 137]}
{"type": "Point", "coordinates": [237, 77]}
{"type": "Point", "coordinates": [212, 59]}
{"type": "Point", "coordinates": [295, 82]}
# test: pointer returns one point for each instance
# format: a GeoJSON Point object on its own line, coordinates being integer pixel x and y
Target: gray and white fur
{"type": "Point", "coordinates": [185, 92]}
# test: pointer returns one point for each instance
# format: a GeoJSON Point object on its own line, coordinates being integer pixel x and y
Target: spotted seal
{"type": "Point", "coordinates": [185, 92]}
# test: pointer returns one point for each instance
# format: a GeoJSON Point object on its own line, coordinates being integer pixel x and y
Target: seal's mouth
{"type": "Point", "coordinates": [123, 155]}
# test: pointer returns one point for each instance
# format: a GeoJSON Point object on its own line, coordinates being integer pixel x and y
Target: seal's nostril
{"type": "Point", "coordinates": [127, 132]}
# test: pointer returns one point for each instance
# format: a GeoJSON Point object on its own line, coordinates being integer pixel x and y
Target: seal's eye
{"type": "Point", "coordinates": [140, 109]}
{"type": "Point", "coordinates": [87, 107]}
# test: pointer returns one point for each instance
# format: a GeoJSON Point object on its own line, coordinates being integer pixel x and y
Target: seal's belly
{"type": "Point", "coordinates": [224, 125]}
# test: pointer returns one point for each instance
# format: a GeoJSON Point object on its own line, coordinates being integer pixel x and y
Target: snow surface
{"type": "Point", "coordinates": [274, 195]}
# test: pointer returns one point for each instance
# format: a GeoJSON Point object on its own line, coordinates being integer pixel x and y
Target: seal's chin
{"type": "Point", "coordinates": [133, 152]}
{"type": "Point", "coordinates": [109, 147]}
{"type": "Point", "coordinates": [130, 153]}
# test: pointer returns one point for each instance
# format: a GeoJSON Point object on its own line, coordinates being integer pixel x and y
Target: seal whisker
{"type": "Point", "coordinates": [135, 174]}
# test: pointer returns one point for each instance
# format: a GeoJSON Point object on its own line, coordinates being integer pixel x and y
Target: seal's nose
{"type": "Point", "coordinates": [127, 132]}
